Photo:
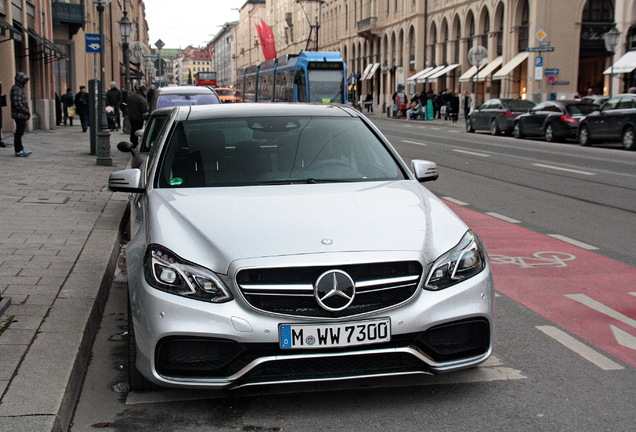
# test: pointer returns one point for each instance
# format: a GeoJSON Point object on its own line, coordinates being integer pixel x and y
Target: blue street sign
{"type": "Point", "coordinates": [93, 43]}
{"type": "Point", "coordinates": [552, 71]}
{"type": "Point", "coordinates": [540, 49]}
{"type": "Point", "coordinates": [538, 61]}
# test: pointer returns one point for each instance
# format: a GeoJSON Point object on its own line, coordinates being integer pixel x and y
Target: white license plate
{"type": "Point", "coordinates": [334, 335]}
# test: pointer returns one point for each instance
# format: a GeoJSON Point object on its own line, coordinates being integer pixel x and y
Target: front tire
{"type": "Point", "coordinates": [628, 139]}
{"type": "Point", "coordinates": [584, 136]}
{"type": "Point", "coordinates": [516, 131]}
{"type": "Point", "coordinates": [550, 136]}
{"type": "Point", "coordinates": [469, 126]}
{"type": "Point", "coordinates": [494, 127]}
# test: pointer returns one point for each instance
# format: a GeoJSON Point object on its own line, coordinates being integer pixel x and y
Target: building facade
{"type": "Point", "coordinates": [46, 39]}
{"type": "Point", "coordinates": [222, 47]}
{"type": "Point", "coordinates": [189, 62]}
{"type": "Point", "coordinates": [536, 49]}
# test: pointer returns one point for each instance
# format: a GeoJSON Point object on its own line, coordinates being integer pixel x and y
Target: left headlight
{"type": "Point", "coordinates": [168, 272]}
{"type": "Point", "coordinates": [458, 264]}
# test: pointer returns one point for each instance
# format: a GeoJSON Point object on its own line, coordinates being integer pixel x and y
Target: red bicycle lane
{"type": "Point", "coordinates": [590, 296]}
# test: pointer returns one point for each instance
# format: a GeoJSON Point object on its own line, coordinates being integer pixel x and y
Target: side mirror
{"type": "Point", "coordinates": [425, 171]}
{"type": "Point", "coordinates": [128, 180]}
{"type": "Point", "coordinates": [126, 147]}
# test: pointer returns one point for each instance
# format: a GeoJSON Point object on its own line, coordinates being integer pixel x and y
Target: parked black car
{"type": "Point", "coordinates": [497, 115]}
{"type": "Point", "coordinates": [554, 120]}
{"type": "Point", "coordinates": [615, 121]}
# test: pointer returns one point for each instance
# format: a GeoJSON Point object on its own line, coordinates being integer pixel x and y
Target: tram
{"type": "Point", "coordinates": [311, 76]}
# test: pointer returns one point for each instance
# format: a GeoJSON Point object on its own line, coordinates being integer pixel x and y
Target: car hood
{"type": "Point", "coordinates": [215, 226]}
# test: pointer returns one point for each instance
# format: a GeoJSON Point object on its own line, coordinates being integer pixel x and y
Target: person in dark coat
{"type": "Point", "coordinates": [19, 112]}
{"type": "Point", "coordinates": [454, 104]}
{"type": "Point", "coordinates": [67, 102]}
{"type": "Point", "coordinates": [137, 107]}
{"type": "Point", "coordinates": [58, 110]}
{"type": "Point", "coordinates": [82, 107]}
{"type": "Point", "coordinates": [114, 99]}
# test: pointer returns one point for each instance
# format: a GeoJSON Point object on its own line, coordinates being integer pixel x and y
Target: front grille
{"type": "Point", "coordinates": [290, 291]}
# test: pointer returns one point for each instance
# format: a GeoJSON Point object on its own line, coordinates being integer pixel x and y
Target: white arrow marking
{"type": "Point", "coordinates": [94, 46]}
{"type": "Point", "coordinates": [624, 338]}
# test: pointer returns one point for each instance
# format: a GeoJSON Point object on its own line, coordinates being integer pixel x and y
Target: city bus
{"type": "Point", "coordinates": [205, 78]}
{"type": "Point", "coordinates": [311, 76]}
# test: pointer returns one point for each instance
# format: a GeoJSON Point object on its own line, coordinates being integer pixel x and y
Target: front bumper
{"type": "Point", "coordinates": [193, 344]}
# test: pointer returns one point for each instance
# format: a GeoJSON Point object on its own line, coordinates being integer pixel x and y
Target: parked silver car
{"type": "Point", "coordinates": [279, 243]}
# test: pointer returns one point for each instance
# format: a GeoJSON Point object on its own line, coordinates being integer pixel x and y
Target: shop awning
{"type": "Point", "coordinates": [372, 71]}
{"type": "Point", "coordinates": [419, 74]}
{"type": "Point", "coordinates": [14, 33]}
{"type": "Point", "coordinates": [511, 65]}
{"type": "Point", "coordinates": [625, 64]}
{"type": "Point", "coordinates": [442, 72]}
{"type": "Point", "coordinates": [366, 71]}
{"type": "Point", "coordinates": [424, 77]}
{"type": "Point", "coordinates": [488, 69]}
{"type": "Point", "coordinates": [47, 50]}
{"type": "Point", "coordinates": [468, 75]}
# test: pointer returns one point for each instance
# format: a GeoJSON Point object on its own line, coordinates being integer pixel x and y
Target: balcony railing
{"type": "Point", "coordinates": [368, 28]}
{"type": "Point", "coordinates": [69, 13]}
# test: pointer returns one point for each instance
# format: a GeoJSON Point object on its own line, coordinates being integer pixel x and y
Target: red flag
{"type": "Point", "coordinates": [266, 36]}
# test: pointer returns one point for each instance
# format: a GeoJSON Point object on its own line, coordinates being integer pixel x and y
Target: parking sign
{"type": "Point", "coordinates": [93, 43]}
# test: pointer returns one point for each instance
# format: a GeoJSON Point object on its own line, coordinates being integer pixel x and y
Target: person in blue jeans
{"type": "Point", "coordinates": [19, 112]}
{"type": "Point", "coordinates": [82, 107]}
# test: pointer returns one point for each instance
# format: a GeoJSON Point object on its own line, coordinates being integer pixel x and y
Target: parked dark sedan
{"type": "Point", "coordinates": [554, 120]}
{"type": "Point", "coordinates": [497, 115]}
{"type": "Point", "coordinates": [615, 121]}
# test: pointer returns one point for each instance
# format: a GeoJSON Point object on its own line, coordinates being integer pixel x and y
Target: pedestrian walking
{"type": "Point", "coordinates": [137, 107]}
{"type": "Point", "coordinates": [19, 112]}
{"type": "Point", "coordinates": [114, 99]}
{"type": "Point", "coordinates": [82, 107]}
{"type": "Point", "coordinates": [466, 101]}
{"type": "Point", "coordinates": [368, 102]}
{"type": "Point", "coordinates": [68, 106]}
{"type": "Point", "coordinates": [454, 104]}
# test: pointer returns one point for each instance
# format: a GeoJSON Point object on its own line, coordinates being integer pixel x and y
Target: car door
{"type": "Point", "coordinates": [625, 114]}
{"type": "Point", "coordinates": [533, 121]}
{"type": "Point", "coordinates": [477, 116]}
{"type": "Point", "coordinates": [602, 122]}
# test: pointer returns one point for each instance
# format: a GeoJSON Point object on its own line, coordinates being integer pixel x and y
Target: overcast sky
{"type": "Point", "coordinates": [188, 22]}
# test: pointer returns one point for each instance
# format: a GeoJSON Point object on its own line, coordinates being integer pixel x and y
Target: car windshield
{"type": "Point", "coordinates": [581, 108]}
{"type": "Point", "coordinates": [224, 92]}
{"type": "Point", "coordinates": [274, 150]}
{"type": "Point", "coordinates": [519, 104]}
{"type": "Point", "coordinates": [190, 99]}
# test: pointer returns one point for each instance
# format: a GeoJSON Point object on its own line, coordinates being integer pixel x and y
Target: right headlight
{"type": "Point", "coordinates": [458, 264]}
{"type": "Point", "coordinates": [166, 271]}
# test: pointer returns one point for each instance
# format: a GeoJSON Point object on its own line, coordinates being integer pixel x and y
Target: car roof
{"type": "Point", "coordinates": [184, 90]}
{"type": "Point", "coordinates": [200, 112]}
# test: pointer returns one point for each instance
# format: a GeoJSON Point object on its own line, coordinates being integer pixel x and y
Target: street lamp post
{"type": "Point", "coordinates": [611, 41]}
{"type": "Point", "coordinates": [126, 30]}
{"type": "Point", "coordinates": [103, 133]}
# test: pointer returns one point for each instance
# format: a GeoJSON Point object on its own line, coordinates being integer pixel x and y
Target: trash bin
{"type": "Point", "coordinates": [389, 111]}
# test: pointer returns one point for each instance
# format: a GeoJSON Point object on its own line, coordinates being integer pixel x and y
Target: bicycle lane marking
{"type": "Point", "coordinates": [548, 276]}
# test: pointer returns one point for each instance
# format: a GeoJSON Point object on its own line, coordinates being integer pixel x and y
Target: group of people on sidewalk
{"type": "Point", "coordinates": [431, 106]}
{"type": "Point", "coordinates": [75, 105]}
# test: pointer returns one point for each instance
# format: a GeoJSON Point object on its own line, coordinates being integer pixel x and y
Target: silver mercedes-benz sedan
{"type": "Point", "coordinates": [282, 243]}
